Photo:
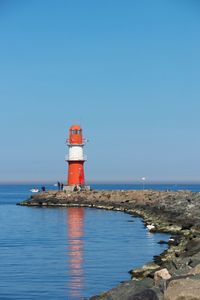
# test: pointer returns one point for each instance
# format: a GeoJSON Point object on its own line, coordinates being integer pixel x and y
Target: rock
{"type": "Point", "coordinates": [151, 227]}
{"type": "Point", "coordinates": [147, 294]}
{"type": "Point", "coordinates": [182, 265]}
{"type": "Point", "coordinates": [183, 289]}
{"type": "Point", "coordinates": [192, 247]}
{"type": "Point", "coordinates": [126, 290]}
{"type": "Point", "coordinates": [195, 260]}
{"type": "Point", "coordinates": [161, 274]}
{"type": "Point", "coordinates": [195, 270]}
{"type": "Point", "coordinates": [144, 271]}
{"type": "Point", "coordinates": [161, 242]}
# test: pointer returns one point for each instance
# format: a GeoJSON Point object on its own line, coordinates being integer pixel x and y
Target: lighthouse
{"type": "Point", "coordinates": [76, 159]}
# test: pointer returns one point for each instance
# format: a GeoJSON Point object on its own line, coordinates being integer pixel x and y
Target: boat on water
{"type": "Point", "coordinates": [35, 190]}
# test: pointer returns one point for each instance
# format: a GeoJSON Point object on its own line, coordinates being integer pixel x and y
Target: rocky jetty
{"type": "Point", "coordinates": [175, 274]}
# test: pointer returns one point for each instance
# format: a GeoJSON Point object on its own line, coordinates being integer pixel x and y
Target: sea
{"type": "Point", "coordinates": [70, 253]}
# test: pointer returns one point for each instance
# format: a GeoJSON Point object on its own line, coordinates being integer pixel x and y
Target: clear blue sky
{"type": "Point", "coordinates": [128, 71]}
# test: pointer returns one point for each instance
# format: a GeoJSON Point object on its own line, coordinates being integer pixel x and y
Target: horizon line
{"type": "Point", "coordinates": [130, 182]}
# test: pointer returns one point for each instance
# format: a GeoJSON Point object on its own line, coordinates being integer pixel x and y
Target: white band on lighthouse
{"type": "Point", "coordinates": [76, 153]}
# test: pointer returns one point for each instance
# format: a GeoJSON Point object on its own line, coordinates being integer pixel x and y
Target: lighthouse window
{"type": "Point", "coordinates": [75, 131]}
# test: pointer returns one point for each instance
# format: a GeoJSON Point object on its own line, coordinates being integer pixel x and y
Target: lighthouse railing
{"type": "Point", "coordinates": [84, 141]}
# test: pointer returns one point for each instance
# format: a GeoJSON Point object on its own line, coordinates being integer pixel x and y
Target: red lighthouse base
{"type": "Point", "coordinates": [76, 173]}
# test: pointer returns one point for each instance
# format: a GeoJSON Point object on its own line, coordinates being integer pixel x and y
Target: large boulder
{"type": "Point", "coordinates": [183, 289]}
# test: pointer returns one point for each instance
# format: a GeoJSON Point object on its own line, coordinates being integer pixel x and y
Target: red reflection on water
{"type": "Point", "coordinates": [75, 219]}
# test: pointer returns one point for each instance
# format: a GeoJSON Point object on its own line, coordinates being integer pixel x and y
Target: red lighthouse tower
{"type": "Point", "coordinates": [76, 157]}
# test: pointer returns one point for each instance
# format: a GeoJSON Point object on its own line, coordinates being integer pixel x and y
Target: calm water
{"type": "Point", "coordinates": [59, 253]}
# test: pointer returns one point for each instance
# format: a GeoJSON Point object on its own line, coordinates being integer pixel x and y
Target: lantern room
{"type": "Point", "coordinates": [75, 135]}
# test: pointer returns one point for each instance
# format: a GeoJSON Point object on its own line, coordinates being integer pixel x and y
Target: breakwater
{"type": "Point", "coordinates": [176, 272]}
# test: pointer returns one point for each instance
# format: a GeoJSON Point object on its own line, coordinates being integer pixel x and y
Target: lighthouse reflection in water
{"type": "Point", "coordinates": [75, 222]}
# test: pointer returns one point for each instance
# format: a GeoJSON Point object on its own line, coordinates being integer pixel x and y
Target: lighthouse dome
{"type": "Point", "coordinates": [75, 127]}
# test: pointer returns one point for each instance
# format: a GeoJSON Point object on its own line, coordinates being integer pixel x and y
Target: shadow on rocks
{"type": "Point", "coordinates": [147, 294]}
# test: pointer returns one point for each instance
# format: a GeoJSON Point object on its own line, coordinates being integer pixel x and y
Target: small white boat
{"type": "Point", "coordinates": [34, 190]}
